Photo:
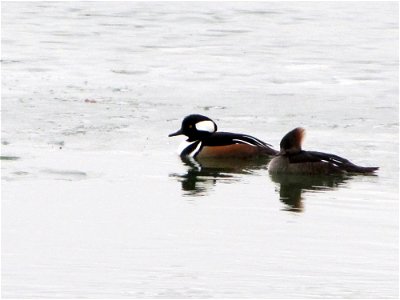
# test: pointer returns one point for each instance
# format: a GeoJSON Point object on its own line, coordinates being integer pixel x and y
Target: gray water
{"type": "Point", "coordinates": [95, 201]}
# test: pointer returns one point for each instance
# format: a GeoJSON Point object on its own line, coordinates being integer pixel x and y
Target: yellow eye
{"type": "Point", "coordinates": [190, 126]}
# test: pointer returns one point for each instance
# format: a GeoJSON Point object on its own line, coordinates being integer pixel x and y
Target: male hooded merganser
{"type": "Point", "coordinates": [292, 159]}
{"type": "Point", "coordinates": [204, 141]}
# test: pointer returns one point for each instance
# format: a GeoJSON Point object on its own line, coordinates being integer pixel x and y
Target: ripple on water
{"type": "Point", "coordinates": [65, 174]}
{"type": "Point", "coordinates": [6, 157]}
{"type": "Point", "coordinates": [130, 72]}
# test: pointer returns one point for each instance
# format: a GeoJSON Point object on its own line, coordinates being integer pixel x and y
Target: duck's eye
{"type": "Point", "coordinates": [190, 126]}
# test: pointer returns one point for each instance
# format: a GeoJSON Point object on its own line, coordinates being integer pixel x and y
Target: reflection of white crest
{"type": "Point", "coordinates": [206, 126]}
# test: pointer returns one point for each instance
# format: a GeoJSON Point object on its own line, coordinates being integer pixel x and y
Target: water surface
{"type": "Point", "coordinates": [95, 201]}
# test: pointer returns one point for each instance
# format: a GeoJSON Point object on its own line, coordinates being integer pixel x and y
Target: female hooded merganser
{"type": "Point", "coordinates": [292, 159]}
{"type": "Point", "coordinates": [204, 141]}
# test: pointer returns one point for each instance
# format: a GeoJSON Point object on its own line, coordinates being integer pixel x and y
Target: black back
{"type": "Point", "coordinates": [229, 138]}
{"type": "Point", "coordinates": [340, 162]}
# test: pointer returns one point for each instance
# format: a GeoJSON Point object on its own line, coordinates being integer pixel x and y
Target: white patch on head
{"type": "Point", "coordinates": [208, 126]}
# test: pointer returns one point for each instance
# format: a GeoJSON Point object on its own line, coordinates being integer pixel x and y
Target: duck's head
{"type": "Point", "coordinates": [196, 127]}
{"type": "Point", "coordinates": [291, 142]}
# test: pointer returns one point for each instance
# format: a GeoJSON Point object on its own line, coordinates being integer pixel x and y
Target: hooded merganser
{"type": "Point", "coordinates": [292, 159]}
{"type": "Point", "coordinates": [204, 141]}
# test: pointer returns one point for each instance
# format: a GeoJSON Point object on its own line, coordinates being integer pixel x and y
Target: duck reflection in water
{"type": "Point", "coordinates": [203, 174]}
{"type": "Point", "coordinates": [293, 186]}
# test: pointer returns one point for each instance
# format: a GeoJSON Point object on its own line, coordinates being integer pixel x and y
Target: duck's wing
{"type": "Point", "coordinates": [340, 162]}
{"type": "Point", "coordinates": [228, 138]}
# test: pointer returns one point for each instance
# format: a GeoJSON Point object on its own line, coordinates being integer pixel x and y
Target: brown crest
{"type": "Point", "coordinates": [292, 141]}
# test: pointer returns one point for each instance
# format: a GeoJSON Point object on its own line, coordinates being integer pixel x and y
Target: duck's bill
{"type": "Point", "coordinates": [179, 132]}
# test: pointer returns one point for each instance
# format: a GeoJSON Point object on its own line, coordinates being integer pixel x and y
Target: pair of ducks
{"type": "Point", "coordinates": [204, 141]}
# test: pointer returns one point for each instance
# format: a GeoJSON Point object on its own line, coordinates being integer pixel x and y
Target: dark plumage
{"type": "Point", "coordinates": [292, 159]}
{"type": "Point", "coordinates": [204, 140]}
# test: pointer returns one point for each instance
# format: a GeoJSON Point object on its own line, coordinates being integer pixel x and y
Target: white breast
{"type": "Point", "coordinates": [186, 144]}
{"type": "Point", "coordinates": [182, 146]}
{"type": "Point", "coordinates": [278, 164]}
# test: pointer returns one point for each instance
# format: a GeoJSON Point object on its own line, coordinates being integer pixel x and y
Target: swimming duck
{"type": "Point", "coordinates": [204, 141]}
{"type": "Point", "coordinates": [292, 159]}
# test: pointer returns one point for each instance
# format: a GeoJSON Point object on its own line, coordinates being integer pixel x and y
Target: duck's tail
{"type": "Point", "coordinates": [343, 163]}
{"type": "Point", "coordinates": [358, 169]}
